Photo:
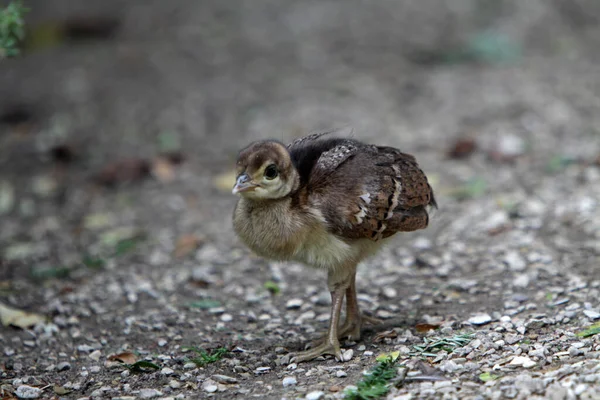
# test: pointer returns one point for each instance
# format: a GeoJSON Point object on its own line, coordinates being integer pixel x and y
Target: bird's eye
{"type": "Point", "coordinates": [271, 172]}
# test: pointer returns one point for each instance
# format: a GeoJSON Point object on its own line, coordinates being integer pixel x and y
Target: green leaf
{"type": "Point", "coordinates": [11, 28]}
{"type": "Point", "coordinates": [435, 344]}
{"type": "Point", "coordinates": [376, 383]}
{"type": "Point", "coordinates": [493, 47]}
{"type": "Point", "coordinates": [142, 366]}
{"type": "Point", "coordinates": [272, 287]}
{"type": "Point", "coordinates": [486, 376]}
{"type": "Point", "coordinates": [93, 262]}
{"type": "Point", "coordinates": [590, 331]}
{"type": "Point", "coordinates": [169, 142]}
{"type": "Point", "coordinates": [125, 246]}
{"type": "Point", "coordinates": [204, 358]}
{"type": "Point", "coordinates": [475, 187]}
{"type": "Point", "coordinates": [43, 274]}
{"type": "Point", "coordinates": [558, 163]}
{"type": "Point", "coordinates": [204, 304]}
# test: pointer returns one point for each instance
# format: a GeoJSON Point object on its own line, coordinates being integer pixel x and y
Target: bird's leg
{"type": "Point", "coordinates": [354, 319]}
{"type": "Point", "coordinates": [331, 343]}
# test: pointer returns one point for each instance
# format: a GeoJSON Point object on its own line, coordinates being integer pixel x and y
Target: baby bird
{"type": "Point", "coordinates": [329, 203]}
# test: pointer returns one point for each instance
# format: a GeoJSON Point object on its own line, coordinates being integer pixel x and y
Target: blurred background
{"type": "Point", "coordinates": [121, 119]}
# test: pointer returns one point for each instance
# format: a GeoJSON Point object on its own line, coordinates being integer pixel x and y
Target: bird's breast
{"type": "Point", "coordinates": [271, 231]}
{"type": "Point", "coordinates": [280, 233]}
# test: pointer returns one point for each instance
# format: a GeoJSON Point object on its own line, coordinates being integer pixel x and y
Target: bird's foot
{"type": "Point", "coordinates": [350, 330]}
{"type": "Point", "coordinates": [353, 325]}
{"type": "Point", "coordinates": [326, 347]}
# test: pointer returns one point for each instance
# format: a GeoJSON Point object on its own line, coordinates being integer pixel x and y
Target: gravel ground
{"type": "Point", "coordinates": [150, 270]}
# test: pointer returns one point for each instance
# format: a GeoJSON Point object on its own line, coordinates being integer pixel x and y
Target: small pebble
{"type": "Point", "coordinates": [341, 373]}
{"type": "Point", "coordinates": [294, 303]}
{"type": "Point", "coordinates": [28, 392]}
{"type": "Point", "coordinates": [167, 371]}
{"type": "Point", "coordinates": [389, 292]}
{"type": "Point", "coordinates": [63, 366]}
{"type": "Point", "coordinates": [316, 395]}
{"type": "Point", "coordinates": [225, 379]}
{"type": "Point", "coordinates": [289, 381]}
{"type": "Point", "coordinates": [525, 362]}
{"type": "Point", "coordinates": [149, 393]}
{"type": "Point", "coordinates": [348, 354]}
{"type": "Point", "coordinates": [480, 319]}
{"type": "Point", "coordinates": [591, 314]}
{"type": "Point", "coordinates": [226, 317]}
{"type": "Point", "coordinates": [514, 261]}
{"type": "Point", "coordinates": [95, 355]}
{"type": "Point", "coordinates": [211, 388]}
{"type": "Point", "coordinates": [189, 365]}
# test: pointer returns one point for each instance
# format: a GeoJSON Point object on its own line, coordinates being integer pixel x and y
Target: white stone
{"type": "Point", "coordinates": [524, 362]}
{"type": "Point", "coordinates": [289, 381]}
{"type": "Point", "coordinates": [28, 392]}
{"type": "Point", "coordinates": [316, 395]}
{"type": "Point", "coordinates": [480, 319]}
{"type": "Point", "coordinates": [510, 145]}
{"type": "Point", "coordinates": [294, 303]}
{"type": "Point", "coordinates": [167, 371]}
{"type": "Point", "coordinates": [226, 317]}
{"type": "Point", "coordinates": [521, 280]}
{"type": "Point", "coordinates": [149, 393]}
{"type": "Point", "coordinates": [514, 261]}
{"type": "Point", "coordinates": [211, 388]}
{"type": "Point", "coordinates": [407, 396]}
{"type": "Point", "coordinates": [189, 365]}
{"type": "Point", "coordinates": [95, 355]}
{"type": "Point", "coordinates": [422, 243]}
{"type": "Point", "coordinates": [341, 373]}
{"type": "Point", "coordinates": [389, 292]}
{"type": "Point", "coordinates": [348, 354]}
{"type": "Point", "coordinates": [591, 314]}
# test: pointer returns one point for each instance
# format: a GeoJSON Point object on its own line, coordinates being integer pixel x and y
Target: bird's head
{"type": "Point", "coordinates": [265, 171]}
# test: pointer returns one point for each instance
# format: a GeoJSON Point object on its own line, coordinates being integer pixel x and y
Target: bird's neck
{"type": "Point", "coordinates": [270, 204]}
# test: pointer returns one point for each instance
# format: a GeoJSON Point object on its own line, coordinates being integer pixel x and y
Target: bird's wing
{"type": "Point", "coordinates": [316, 136]}
{"type": "Point", "coordinates": [371, 192]}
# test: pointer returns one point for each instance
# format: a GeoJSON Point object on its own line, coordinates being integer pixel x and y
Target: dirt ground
{"type": "Point", "coordinates": [127, 251]}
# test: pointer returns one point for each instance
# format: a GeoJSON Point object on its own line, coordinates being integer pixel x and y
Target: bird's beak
{"type": "Point", "coordinates": [243, 184]}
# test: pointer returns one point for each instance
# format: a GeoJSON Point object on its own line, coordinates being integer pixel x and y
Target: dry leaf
{"type": "Point", "coordinates": [126, 357]}
{"type": "Point", "coordinates": [422, 328]}
{"type": "Point", "coordinates": [499, 229]}
{"type": "Point", "coordinates": [385, 335]}
{"type": "Point", "coordinates": [225, 181]}
{"type": "Point", "coordinates": [163, 169]}
{"type": "Point", "coordinates": [186, 244]}
{"type": "Point", "coordinates": [19, 318]}
{"type": "Point", "coordinates": [463, 147]}
{"type": "Point", "coordinates": [127, 170]}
